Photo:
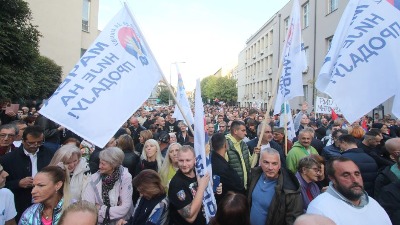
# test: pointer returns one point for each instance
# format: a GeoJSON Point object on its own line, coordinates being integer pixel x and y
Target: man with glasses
{"type": "Point", "coordinates": [23, 164]}
{"type": "Point", "coordinates": [8, 132]}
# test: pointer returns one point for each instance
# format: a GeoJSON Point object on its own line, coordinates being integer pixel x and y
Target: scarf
{"type": "Point", "coordinates": [107, 183]}
{"type": "Point", "coordinates": [309, 191]}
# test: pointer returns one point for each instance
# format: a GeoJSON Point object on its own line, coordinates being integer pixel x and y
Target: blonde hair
{"type": "Point", "coordinates": [158, 153]}
{"type": "Point", "coordinates": [64, 153]}
{"type": "Point", "coordinates": [81, 206]}
{"type": "Point", "coordinates": [166, 165]}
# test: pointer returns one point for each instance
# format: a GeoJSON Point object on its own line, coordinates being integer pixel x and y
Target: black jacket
{"type": "Point", "coordinates": [130, 161]}
{"type": "Point", "coordinates": [367, 166]}
{"type": "Point", "coordinates": [390, 201]}
{"type": "Point", "coordinates": [385, 177]}
{"type": "Point", "coordinates": [228, 177]}
{"type": "Point", "coordinates": [18, 166]}
{"type": "Point", "coordinates": [253, 143]}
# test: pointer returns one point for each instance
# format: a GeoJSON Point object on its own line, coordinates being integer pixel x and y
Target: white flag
{"type": "Point", "coordinates": [183, 101]}
{"type": "Point", "coordinates": [110, 82]}
{"type": "Point", "coordinates": [361, 69]}
{"type": "Point", "coordinates": [293, 62]}
{"type": "Point", "coordinates": [203, 163]}
{"type": "Point", "coordinates": [291, 133]}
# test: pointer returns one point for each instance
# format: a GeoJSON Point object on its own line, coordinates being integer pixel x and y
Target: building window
{"type": "Point", "coordinates": [329, 43]}
{"type": "Point", "coordinates": [306, 12]}
{"type": "Point", "coordinates": [85, 15]}
{"type": "Point", "coordinates": [305, 91]}
{"type": "Point", "coordinates": [332, 5]}
{"type": "Point", "coordinates": [286, 23]}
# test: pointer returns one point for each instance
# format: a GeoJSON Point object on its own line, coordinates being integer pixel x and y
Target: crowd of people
{"type": "Point", "coordinates": [332, 172]}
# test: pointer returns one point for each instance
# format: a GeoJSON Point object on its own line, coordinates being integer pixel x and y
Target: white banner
{"type": "Point", "coordinates": [324, 105]}
{"type": "Point", "coordinates": [293, 62]}
{"type": "Point", "coordinates": [291, 133]}
{"type": "Point", "coordinates": [108, 84]}
{"type": "Point", "coordinates": [181, 97]}
{"type": "Point", "coordinates": [203, 162]}
{"type": "Point", "coordinates": [361, 69]}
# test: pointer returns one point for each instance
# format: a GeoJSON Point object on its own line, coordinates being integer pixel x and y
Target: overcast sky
{"type": "Point", "coordinates": [205, 34]}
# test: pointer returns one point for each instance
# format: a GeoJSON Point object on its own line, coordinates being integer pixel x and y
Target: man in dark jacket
{"type": "Point", "coordinates": [366, 164]}
{"type": "Point", "coordinates": [23, 164]}
{"type": "Point", "coordinates": [332, 150]}
{"type": "Point", "coordinates": [228, 177]}
{"type": "Point", "coordinates": [389, 199]}
{"type": "Point", "coordinates": [266, 142]}
{"type": "Point", "coordinates": [390, 174]}
{"type": "Point", "coordinates": [135, 129]}
{"type": "Point", "coordinates": [274, 192]}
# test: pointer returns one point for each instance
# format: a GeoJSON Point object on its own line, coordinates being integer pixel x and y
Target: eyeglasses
{"type": "Point", "coordinates": [2, 136]}
{"type": "Point", "coordinates": [34, 143]}
{"type": "Point", "coordinates": [397, 153]}
{"type": "Point", "coordinates": [316, 170]}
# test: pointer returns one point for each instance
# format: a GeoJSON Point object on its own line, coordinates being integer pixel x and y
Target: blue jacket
{"type": "Point", "coordinates": [33, 214]}
{"type": "Point", "coordinates": [330, 151]}
{"type": "Point", "coordinates": [367, 166]}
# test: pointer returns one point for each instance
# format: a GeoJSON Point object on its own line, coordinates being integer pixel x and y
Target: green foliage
{"type": "Point", "coordinates": [222, 88]}
{"type": "Point", "coordinates": [19, 39]}
{"type": "Point", "coordinates": [24, 74]}
{"type": "Point", "coordinates": [163, 95]}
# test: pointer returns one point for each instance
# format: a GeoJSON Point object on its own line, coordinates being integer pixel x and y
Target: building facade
{"type": "Point", "coordinates": [68, 28]}
{"type": "Point", "coordinates": [258, 63]}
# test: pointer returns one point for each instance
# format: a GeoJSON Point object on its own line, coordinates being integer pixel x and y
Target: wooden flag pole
{"type": "Point", "coordinates": [267, 119]}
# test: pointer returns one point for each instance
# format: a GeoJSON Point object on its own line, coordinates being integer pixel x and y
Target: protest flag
{"type": "Point", "coordinates": [334, 115]}
{"type": "Point", "coordinates": [287, 117]}
{"type": "Point", "coordinates": [181, 97]}
{"type": "Point", "coordinates": [293, 62]}
{"type": "Point", "coordinates": [203, 162]}
{"type": "Point", "coordinates": [108, 84]}
{"type": "Point", "coordinates": [363, 56]}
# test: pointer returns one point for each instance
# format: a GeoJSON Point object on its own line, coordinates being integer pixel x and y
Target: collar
{"type": "Point", "coordinates": [332, 191]}
{"type": "Point", "coordinates": [30, 154]}
{"type": "Point", "coordinates": [233, 139]}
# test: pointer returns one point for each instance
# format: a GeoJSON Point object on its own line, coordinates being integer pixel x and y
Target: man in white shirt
{"type": "Point", "coordinates": [345, 201]}
{"type": "Point", "coordinates": [22, 165]}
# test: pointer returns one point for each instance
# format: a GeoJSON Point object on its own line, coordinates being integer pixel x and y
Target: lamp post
{"type": "Point", "coordinates": [169, 96]}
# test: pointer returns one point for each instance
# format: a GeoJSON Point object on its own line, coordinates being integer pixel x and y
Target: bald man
{"type": "Point", "coordinates": [313, 219]}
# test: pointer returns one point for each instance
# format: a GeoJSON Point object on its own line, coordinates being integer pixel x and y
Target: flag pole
{"type": "Point", "coordinates": [285, 127]}
{"type": "Point", "coordinates": [162, 74]}
{"type": "Point", "coordinates": [266, 119]}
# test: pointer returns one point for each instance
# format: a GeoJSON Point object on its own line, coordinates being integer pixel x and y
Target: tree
{"type": "Point", "coordinates": [24, 73]}
{"type": "Point", "coordinates": [164, 95]}
{"type": "Point", "coordinates": [222, 88]}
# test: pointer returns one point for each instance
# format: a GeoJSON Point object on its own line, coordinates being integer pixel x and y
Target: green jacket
{"type": "Point", "coordinates": [295, 154]}
{"type": "Point", "coordinates": [234, 158]}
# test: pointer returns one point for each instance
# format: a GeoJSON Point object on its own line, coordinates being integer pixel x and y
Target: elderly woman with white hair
{"type": "Point", "coordinates": [110, 188]}
{"type": "Point", "coordinates": [78, 169]}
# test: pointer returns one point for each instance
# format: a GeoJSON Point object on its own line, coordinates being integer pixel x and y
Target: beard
{"type": "Point", "coordinates": [349, 193]}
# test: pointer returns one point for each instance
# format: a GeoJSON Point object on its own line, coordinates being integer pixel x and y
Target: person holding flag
{"type": "Point", "coordinates": [186, 191]}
